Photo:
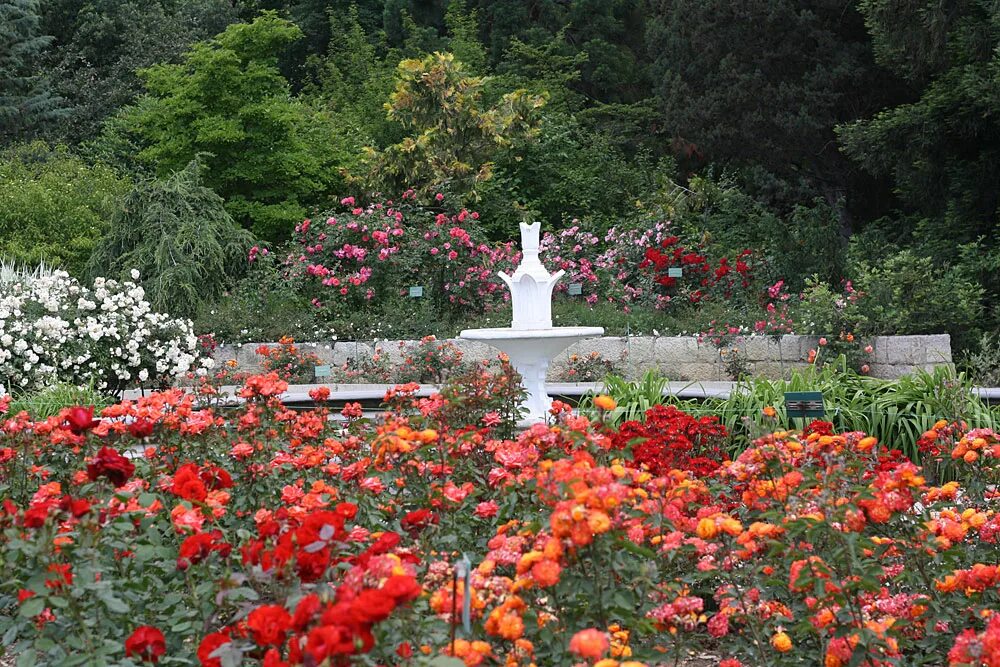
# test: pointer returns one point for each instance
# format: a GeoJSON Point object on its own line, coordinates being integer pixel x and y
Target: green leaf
{"type": "Point", "coordinates": [632, 547]}
{"type": "Point", "coordinates": [32, 607]}
{"type": "Point", "coordinates": [114, 604]}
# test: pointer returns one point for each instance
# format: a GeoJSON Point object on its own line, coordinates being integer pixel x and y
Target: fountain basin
{"type": "Point", "coordinates": [530, 351]}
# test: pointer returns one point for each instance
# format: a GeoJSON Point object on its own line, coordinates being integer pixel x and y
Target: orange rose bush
{"type": "Point", "coordinates": [174, 529]}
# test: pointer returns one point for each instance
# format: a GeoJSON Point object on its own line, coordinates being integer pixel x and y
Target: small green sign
{"type": "Point", "coordinates": [574, 289]}
{"type": "Point", "coordinates": [675, 272]}
{"type": "Point", "coordinates": [416, 291]}
{"type": "Point", "coordinates": [322, 371]}
{"type": "Point", "coordinates": [804, 404]}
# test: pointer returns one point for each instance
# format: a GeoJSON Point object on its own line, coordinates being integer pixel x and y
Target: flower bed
{"type": "Point", "coordinates": [268, 536]}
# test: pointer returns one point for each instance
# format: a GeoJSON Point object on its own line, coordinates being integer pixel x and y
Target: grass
{"type": "Point", "coordinates": [897, 412]}
{"type": "Point", "coordinates": [49, 402]}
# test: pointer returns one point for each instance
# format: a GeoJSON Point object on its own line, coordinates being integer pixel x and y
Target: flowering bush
{"type": "Point", "coordinates": [834, 316]}
{"type": "Point", "coordinates": [52, 329]}
{"type": "Point", "coordinates": [429, 360]}
{"type": "Point", "coordinates": [590, 367]}
{"type": "Point", "coordinates": [375, 369]}
{"type": "Point", "coordinates": [364, 256]}
{"type": "Point", "coordinates": [288, 361]}
{"type": "Point", "coordinates": [606, 267]}
{"type": "Point", "coordinates": [668, 438]}
{"type": "Point", "coordinates": [702, 278]}
{"type": "Point", "coordinates": [267, 536]}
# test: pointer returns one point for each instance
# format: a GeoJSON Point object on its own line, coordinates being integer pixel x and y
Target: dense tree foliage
{"type": "Point", "coordinates": [267, 153]}
{"type": "Point", "coordinates": [829, 135]}
{"type": "Point", "coordinates": [54, 206]}
{"type": "Point", "coordinates": [453, 136]}
{"type": "Point", "coordinates": [941, 146]}
{"type": "Point", "coordinates": [101, 45]}
{"type": "Point", "coordinates": [25, 98]}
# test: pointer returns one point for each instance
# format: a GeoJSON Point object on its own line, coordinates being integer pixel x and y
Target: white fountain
{"type": "Point", "coordinates": [531, 341]}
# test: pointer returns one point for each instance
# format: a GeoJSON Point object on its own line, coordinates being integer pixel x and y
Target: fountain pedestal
{"type": "Point", "coordinates": [531, 342]}
{"type": "Point", "coordinates": [530, 351]}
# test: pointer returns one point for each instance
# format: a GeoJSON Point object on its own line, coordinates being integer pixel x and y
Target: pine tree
{"type": "Point", "coordinates": [25, 99]}
{"type": "Point", "coordinates": [177, 233]}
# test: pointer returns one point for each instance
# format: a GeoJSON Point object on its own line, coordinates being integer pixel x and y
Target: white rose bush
{"type": "Point", "coordinates": [54, 329]}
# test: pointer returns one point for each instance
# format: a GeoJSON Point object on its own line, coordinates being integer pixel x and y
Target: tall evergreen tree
{"type": "Point", "coordinates": [763, 83]}
{"type": "Point", "coordinates": [101, 44]}
{"type": "Point", "coordinates": [269, 154]}
{"type": "Point", "coordinates": [25, 99]}
{"type": "Point", "coordinates": [941, 148]}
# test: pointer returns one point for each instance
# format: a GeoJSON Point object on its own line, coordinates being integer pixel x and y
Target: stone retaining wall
{"type": "Point", "coordinates": [679, 358]}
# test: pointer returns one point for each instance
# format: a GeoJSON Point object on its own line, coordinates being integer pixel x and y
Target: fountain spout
{"type": "Point", "coordinates": [531, 285]}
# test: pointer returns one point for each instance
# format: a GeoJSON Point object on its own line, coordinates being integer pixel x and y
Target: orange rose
{"type": "Point", "coordinates": [781, 642]}
{"type": "Point", "coordinates": [706, 529]}
{"type": "Point", "coordinates": [590, 643]}
{"type": "Point", "coordinates": [605, 403]}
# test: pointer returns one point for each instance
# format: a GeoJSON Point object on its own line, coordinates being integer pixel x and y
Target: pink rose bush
{"type": "Point", "coordinates": [363, 256]}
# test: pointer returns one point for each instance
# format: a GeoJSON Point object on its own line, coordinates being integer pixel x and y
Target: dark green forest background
{"type": "Point", "coordinates": [827, 133]}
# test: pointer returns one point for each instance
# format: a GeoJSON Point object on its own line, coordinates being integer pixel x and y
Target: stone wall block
{"type": "Point", "coordinates": [679, 358]}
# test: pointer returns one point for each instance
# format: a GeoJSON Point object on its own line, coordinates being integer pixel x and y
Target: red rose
{"type": "Point", "coordinates": [36, 515]}
{"type": "Point", "coordinates": [200, 546]}
{"type": "Point", "coordinates": [310, 565]}
{"type": "Point", "coordinates": [417, 520]}
{"type": "Point", "coordinates": [305, 611]}
{"type": "Point", "coordinates": [141, 428]}
{"type": "Point", "coordinates": [79, 419]}
{"type": "Point", "coordinates": [372, 606]}
{"type": "Point", "coordinates": [273, 659]}
{"type": "Point", "coordinates": [325, 641]}
{"type": "Point", "coordinates": [209, 645]}
{"type": "Point", "coordinates": [346, 510]}
{"type": "Point", "coordinates": [402, 588]}
{"type": "Point", "coordinates": [77, 507]}
{"type": "Point", "coordinates": [112, 465]}
{"type": "Point", "coordinates": [146, 643]}
{"type": "Point", "coordinates": [319, 529]}
{"type": "Point", "coordinates": [385, 543]}
{"type": "Point", "coordinates": [63, 575]}
{"type": "Point", "coordinates": [269, 624]}
{"type": "Point", "coordinates": [215, 478]}
{"type": "Point", "coordinates": [187, 483]}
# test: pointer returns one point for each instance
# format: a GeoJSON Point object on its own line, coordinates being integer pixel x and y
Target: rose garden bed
{"type": "Point", "coordinates": [262, 535]}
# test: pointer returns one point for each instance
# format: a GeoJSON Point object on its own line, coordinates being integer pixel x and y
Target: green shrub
{"type": "Point", "coordinates": [801, 243]}
{"type": "Point", "coordinates": [269, 154]}
{"type": "Point", "coordinates": [54, 206]}
{"type": "Point", "coordinates": [982, 363]}
{"type": "Point", "coordinates": [178, 235]}
{"type": "Point", "coordinates": [908, 294]}
{"type": "Point", "coordinates": [262, 307]}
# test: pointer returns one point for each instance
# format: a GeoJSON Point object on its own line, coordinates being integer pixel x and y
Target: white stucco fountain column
{"type": "Point", "coordinates": [531, 342]}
